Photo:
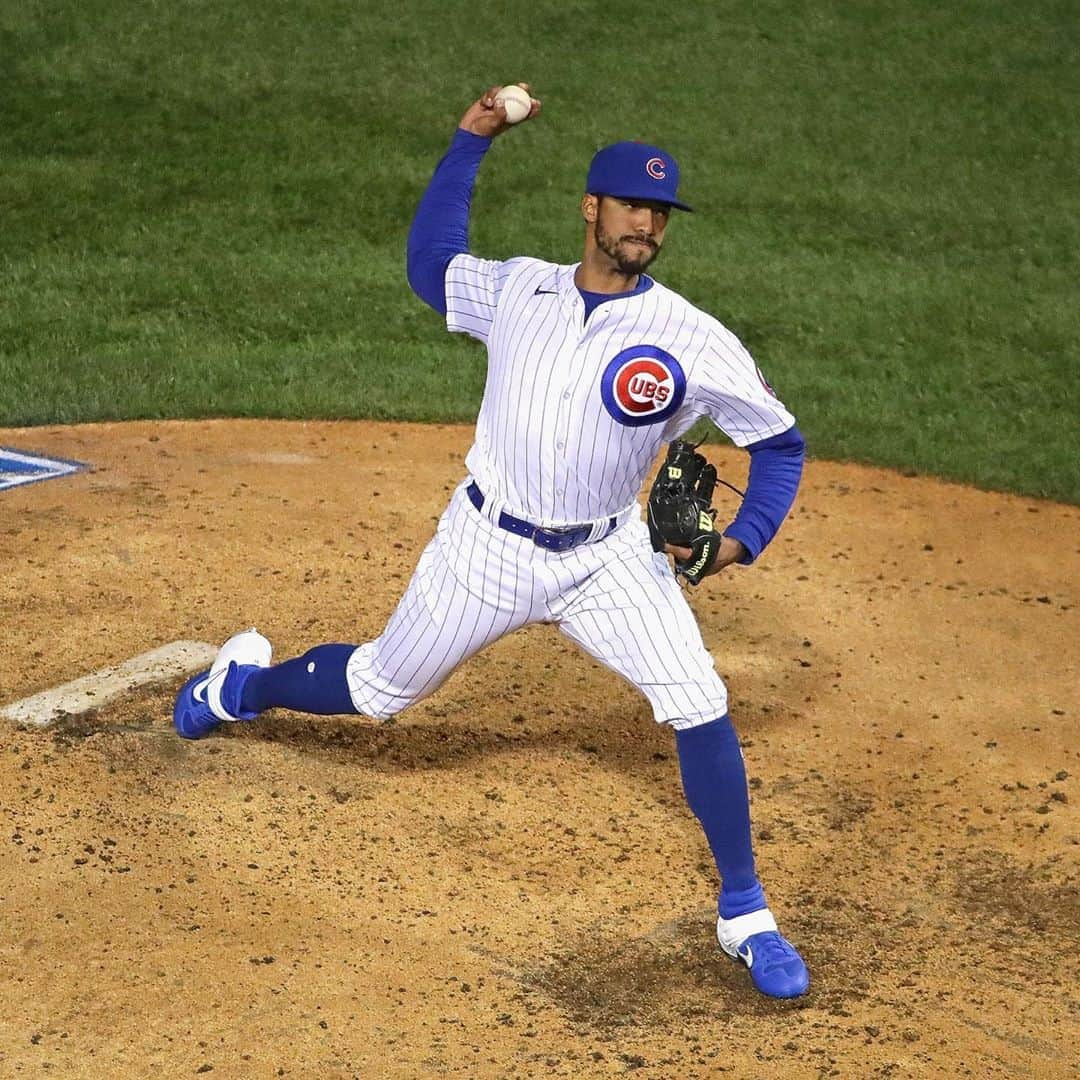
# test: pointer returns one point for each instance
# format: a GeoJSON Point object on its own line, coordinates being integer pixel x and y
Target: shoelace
{"type": "Point", "coordinates": [772, 950]}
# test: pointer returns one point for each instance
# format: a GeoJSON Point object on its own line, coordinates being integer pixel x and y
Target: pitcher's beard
{"type": "Point", "coordinates": [633, 259]}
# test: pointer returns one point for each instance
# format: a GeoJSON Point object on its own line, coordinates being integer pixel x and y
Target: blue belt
{"type": "Point", "coordinates": [562, 539]}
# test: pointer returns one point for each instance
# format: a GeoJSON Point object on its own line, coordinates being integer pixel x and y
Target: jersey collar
{"type": "Point", "coordinates": [562, 281]}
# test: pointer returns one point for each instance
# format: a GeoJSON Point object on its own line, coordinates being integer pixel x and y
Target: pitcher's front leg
{"type": "Point", "coordinates": [633, 617]}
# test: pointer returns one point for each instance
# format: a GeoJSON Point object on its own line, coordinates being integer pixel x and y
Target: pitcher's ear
{"type": "Point", "coordinates": [590, 207]}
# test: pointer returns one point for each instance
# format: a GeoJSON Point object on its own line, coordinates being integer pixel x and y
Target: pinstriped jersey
{"type": "Point", "coordinates": [574, 410]}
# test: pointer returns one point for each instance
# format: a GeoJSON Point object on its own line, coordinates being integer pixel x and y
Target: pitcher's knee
{"type": "Point", "coordinates": [689, 704]}
{"type": "Point", "coordinates": [376, 691]}
{"type": "Point", "coordinates": [685, 723]}
{"type": "Point", "coordinates": [376, 713]}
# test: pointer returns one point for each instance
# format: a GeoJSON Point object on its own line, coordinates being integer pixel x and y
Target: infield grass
{"type": "Point", "coordinates": [204, 206]}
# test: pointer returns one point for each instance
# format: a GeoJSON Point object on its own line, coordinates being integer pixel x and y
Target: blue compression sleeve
{"type": "Point", "coordinates": [775, 470]}
{"type": "Point", "coordinates": [312, 683]}
{"type": "Point", "coordinates": [440, 228]}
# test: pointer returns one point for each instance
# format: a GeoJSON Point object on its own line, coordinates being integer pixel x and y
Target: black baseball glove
{"type": "Point", "coordinates": [680, 512]}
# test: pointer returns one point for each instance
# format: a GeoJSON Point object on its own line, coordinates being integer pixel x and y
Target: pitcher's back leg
{"type": "Point", "coordinates": [438, 624]}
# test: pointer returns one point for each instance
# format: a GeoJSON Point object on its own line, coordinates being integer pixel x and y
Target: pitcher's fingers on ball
{"type": "Point", "coordinates": [535, 103]}
{"type": "Point", "coordinates": [515, 101]}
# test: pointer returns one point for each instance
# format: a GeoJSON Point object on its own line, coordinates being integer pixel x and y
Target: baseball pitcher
{"type": "Point", "coordinates": [593, 367]}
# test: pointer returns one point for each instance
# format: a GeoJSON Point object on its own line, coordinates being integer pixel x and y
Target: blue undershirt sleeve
{"type": "Point", "coordinates": [440, 227]}
{"type": "Point", "coordinates": [775, 470]}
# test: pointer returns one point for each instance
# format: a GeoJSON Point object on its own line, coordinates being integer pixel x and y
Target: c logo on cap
{"type": "Point", "coordinates": [655, 168]}
{"type": "Point", "coordinates": [642, 385]}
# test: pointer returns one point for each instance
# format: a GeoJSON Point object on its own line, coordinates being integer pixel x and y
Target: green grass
{"type": "Point", "coordinates": [203, 206]}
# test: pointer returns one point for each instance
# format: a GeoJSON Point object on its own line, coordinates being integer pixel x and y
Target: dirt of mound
{"type": "Point", "coordinates": [506, 882]}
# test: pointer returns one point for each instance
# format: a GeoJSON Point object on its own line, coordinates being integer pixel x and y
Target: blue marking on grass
{"type": "Point", "coordinates": [18, 467]}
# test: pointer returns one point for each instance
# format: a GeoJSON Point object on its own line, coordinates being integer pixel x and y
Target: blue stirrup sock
{"type": "Point", "coordinates": [714, 779]}
{"type": "Point", "coordinates": [312, 683]}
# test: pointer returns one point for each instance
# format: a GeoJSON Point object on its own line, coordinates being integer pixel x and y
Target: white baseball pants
{"type": "Point", "coordinates": [475, 582]}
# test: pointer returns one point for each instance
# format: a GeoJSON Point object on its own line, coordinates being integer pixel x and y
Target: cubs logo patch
{"type": "Point", "coordinates": [642, 385]}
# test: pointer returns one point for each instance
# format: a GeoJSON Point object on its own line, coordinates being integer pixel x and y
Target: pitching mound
{"type": "Point", "coordinates": [507, 882]}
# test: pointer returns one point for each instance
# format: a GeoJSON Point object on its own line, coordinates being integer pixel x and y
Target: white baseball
{"type": "Point", "coordinates": [516, 102]}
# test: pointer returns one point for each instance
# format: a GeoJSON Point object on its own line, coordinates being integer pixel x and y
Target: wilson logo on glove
{"type": "Point", "coordinates": [694, 572]}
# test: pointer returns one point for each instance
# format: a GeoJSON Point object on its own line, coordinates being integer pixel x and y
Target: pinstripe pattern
{"type": "Point", "coordinates": [548, 449]}
{"type": "Point", "coordinates": [632, 616]}
{"type": "Point", "coordinates": [476, 582]}
{"type": "Point", "coordinates": [471, 586]}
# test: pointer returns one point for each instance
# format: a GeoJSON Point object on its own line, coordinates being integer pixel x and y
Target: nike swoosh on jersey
{"type": "Point", "coordinates": [546, 292]}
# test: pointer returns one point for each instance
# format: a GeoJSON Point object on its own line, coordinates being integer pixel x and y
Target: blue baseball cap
{"type": "Point", "coordinates": [635, 170]}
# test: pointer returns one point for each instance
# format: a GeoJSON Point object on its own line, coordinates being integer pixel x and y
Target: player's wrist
{"type": "Point", "coordinates": [732, 550]}
{"type": "Point", "coordinates": [745, 553]}
{"type": "Point", "coordinates": [467, 139]}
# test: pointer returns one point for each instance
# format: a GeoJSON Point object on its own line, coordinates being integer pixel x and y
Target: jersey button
{"type": "Point", "coordinates": [560, 446]}
{"type": "Point", "coordinates": [566, 396]}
